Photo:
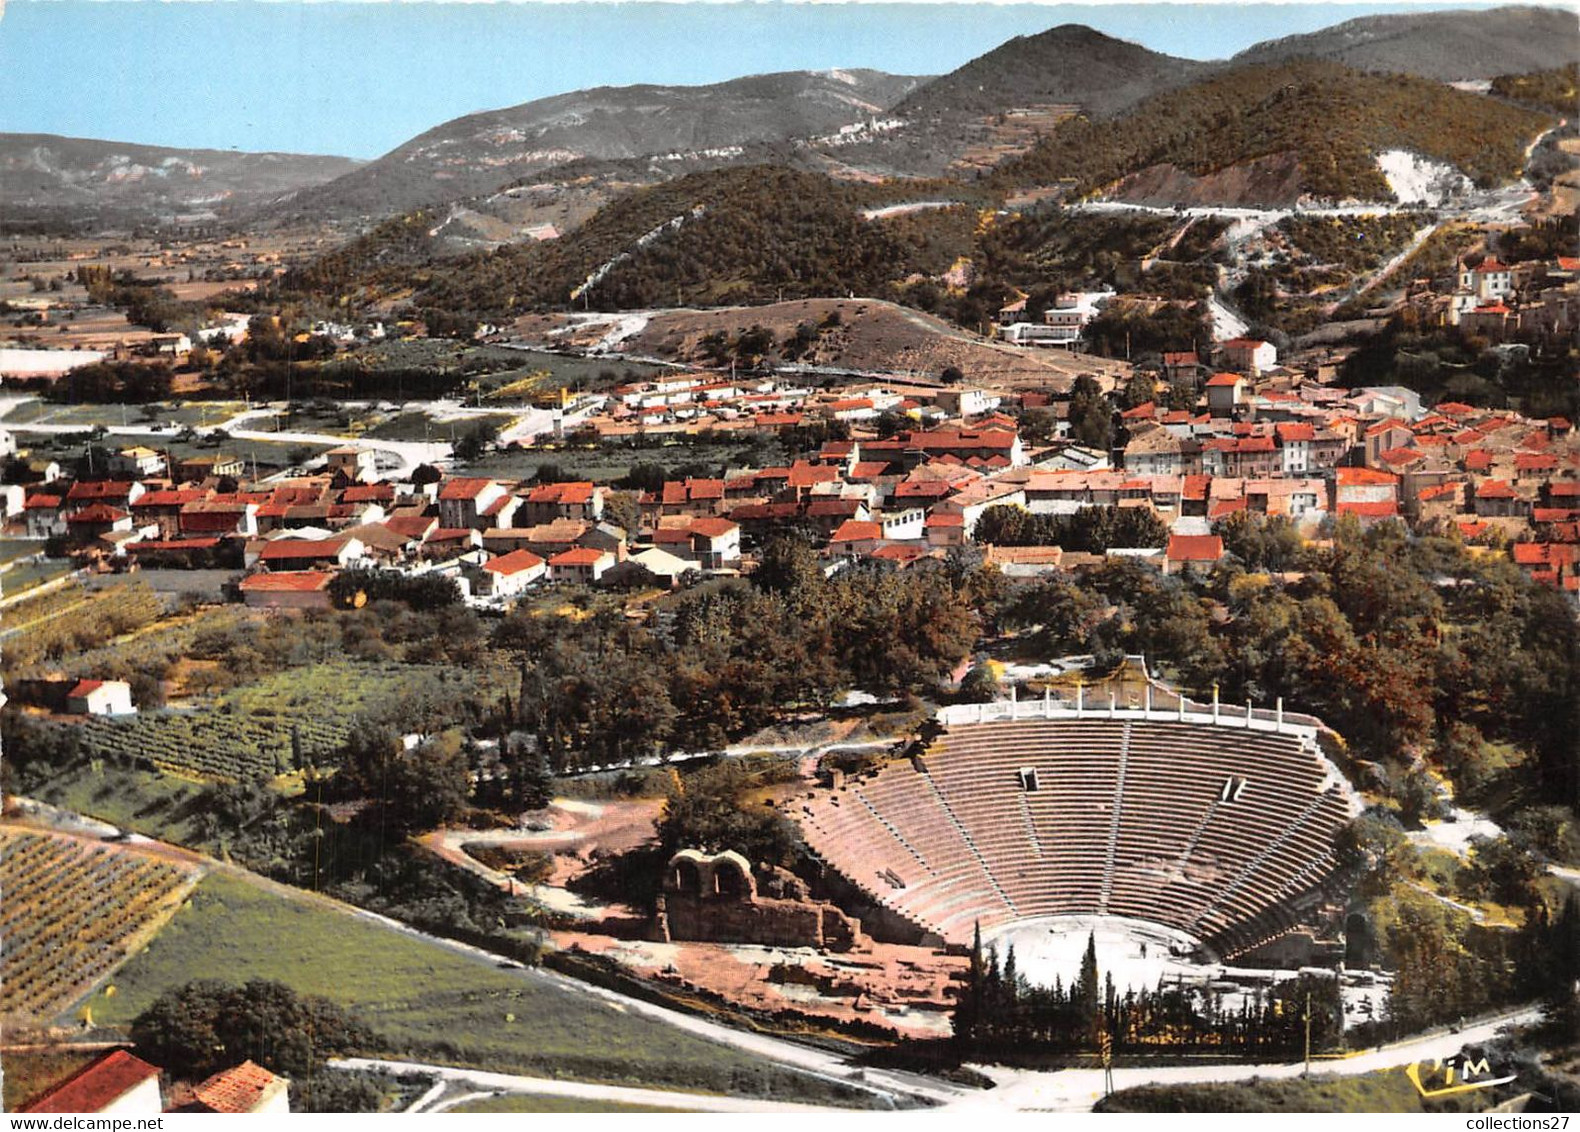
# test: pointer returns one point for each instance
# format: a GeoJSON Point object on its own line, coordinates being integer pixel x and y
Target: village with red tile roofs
{"type": "Point", "coordinates": [916, 467]}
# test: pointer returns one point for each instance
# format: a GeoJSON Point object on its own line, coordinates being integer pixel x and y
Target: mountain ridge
{"type": "Point", "coordinates": [1447, 45]}
{"type": "Point", "coordinates": [54, 171]}
{"type": "Point", "coordinates": [481, 153]}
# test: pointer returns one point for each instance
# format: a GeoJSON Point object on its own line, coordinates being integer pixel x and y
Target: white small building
{"type": "Point", "coordinates": [510, 574]}
{"type": "Point", "coordinates": [138, 461]}
{"type": "Point", "coordinates": [357, 464]}
{"type": "Point", "coordinates": [100, 697]}
{"type": "Point", "coordinates": [1488, 281]}
{"type": "Point", "coordinates": [118, 1084]}
{"type": "Point", "coordinates": [1249, 355]}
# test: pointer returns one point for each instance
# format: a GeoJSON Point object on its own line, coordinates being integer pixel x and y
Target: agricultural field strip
{"type": "Point", "coordinates": [247, 731]}
{"type": "Point", "coordinates": [72, 912]}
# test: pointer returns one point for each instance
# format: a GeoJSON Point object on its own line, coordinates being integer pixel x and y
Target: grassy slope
{"type": "Point", "coordinates": [157, 805]}
{"type": "Point", "coordinates": [1385, 1091]}
{"type": "Point", "coordinates": [426, 1001]}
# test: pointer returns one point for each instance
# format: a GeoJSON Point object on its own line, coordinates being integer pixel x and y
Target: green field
{"type": "Point", "coordinates": [141, 800]}
{"type": "Point", "coordinates": [1387, 1090]}
{"type": "Point", "coordinates": [12, 549]}
{"type": "Point", "coordinates": [530, 1102]}
{"type": "Point", "coordinates": [246, 732]}
{"type": "Point", "coordinates": [428, 1002]}
{"type": "Point", "coordinates": [25, 576]}
{"type": "Point", "coordinates": [420, 426]}
{"type": "Point", "coordinates": [138, 416]}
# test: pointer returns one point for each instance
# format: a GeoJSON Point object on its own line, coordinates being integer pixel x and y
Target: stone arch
{"type": "Point", "coordinates": [689, 872]}
{"type": "Point", "coordinates": [732, 876]}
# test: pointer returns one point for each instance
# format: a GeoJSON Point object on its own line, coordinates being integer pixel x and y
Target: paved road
{"type": "Point", "coordinates": [1077, 1090]}
{"type": "Point", "coordinates": [489, 1084]}
{"type": "Point", "coordinates": [400, 457]}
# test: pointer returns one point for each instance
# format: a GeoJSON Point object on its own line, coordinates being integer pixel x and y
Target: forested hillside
{"type": "Point", "coordinates": [1554, 90]}
{"type": "Point", "coordinates": [749, 235]}
{"type": "Point", "coordinates": [1334, 119]}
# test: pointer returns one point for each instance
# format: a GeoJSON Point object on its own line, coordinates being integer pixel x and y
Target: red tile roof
{"type": "Point", "coordinates": [411, 526]}
{"type": "Point", "coordinates": [1399, 457]}
{"type": "Point", "coordinates": [1218, 380]}
{"type": "Point", "coordinates": [98, 513]}
{"type": "Point", "coordinates": [169, 498]}
{"type": "Point", "coordinates": [1356, 477]}
{"type": "Point", "coordinates": [99, 489]}
{"type": "Point", "coordinates": [239, 1089]}
{"type": "Point", "coordinates": [513, 563]}
{"type": "Point", "coordinates": [287, 581]}
{"type": "Point", "coordinates": [1382, 510]}
{"type": "Point", "coordinates": [580, 556]}
{"type": "Point", "coordinates": [1495, 489]}
{"type": "Point", "coordinates": [857, 530]}
{"type": "Point", "coordinates": [297, 549]}
{"type": "Point", "coordinates": [713, 528]}
{"type": "Point", "coordinates": [369, 493]}
{"type": "Point", "coordinates": [1195, 548]}
{"type": "Point", "coordinates": [94, 1087]}
{"type": "Point", "coordinates": [899, 552]}
{"type": "Point", "coordinates": [575, 492]}
{"type": "Point", "coordinates": [463, 488]}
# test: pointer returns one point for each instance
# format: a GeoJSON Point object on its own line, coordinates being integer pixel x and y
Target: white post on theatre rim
{"type": "Point", "coordinates": [1080, 698]}
{"type": "Point", "coordinates": [1111, 703]}
{"type": "Point", "coordinates": [1146, 699]}
{"type": "Point", "coordinates": [1215, 701]}
{"type": "Point", "coordinates": [1248, 715]}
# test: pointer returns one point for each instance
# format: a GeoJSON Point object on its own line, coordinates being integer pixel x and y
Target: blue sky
{"type": "Point", "coordinates": [360, 78]}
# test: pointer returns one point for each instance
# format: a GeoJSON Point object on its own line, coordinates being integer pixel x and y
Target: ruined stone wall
{"type": "Point", "coordinates": [716, 900]}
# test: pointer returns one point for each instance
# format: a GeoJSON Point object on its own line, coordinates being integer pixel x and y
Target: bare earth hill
{"type": "Point", "coordinates": [870, 336]}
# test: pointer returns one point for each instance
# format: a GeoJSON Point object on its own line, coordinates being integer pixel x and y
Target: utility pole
{"type": "Point", "coordinates": [1307, 1072]}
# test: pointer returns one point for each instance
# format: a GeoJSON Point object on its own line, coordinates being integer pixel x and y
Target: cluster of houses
{"type": "Point", "coordinates": [121, 1084]}
{"type": "Point", "coordinates": [692, 403]}
{"type": "Point", "coordinates": [1266, 440]}
{"type": "Point", "coordinates": [1528, 303]}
